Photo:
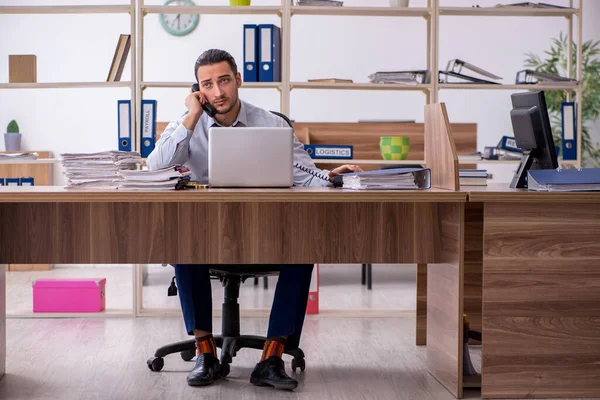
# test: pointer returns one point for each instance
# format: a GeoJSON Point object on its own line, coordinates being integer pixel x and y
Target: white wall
{"type": "Point", "coordinates": [80, 48]}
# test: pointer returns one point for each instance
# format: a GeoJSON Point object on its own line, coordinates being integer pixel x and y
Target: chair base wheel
{"type": "Point", "coordinates": [155, 363]}
{"type": "Point", "coordinates": [298, 363]}
{"type": "Point", "coordinates": [188, 355]}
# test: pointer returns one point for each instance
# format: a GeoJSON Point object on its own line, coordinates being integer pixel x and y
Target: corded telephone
{"type": "Point", "coordinates": [209, 109]}
{"type": "Point", "coordinates": [337, 180]}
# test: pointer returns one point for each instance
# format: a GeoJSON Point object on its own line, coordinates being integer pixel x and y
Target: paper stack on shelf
{"type": "Point", "coordinates": [19, 156]}
{"type": "Point", "coordinates": [322, 3]}
{"type": "Point", "coordinates": [473, 177]}
{"type": "Point", "coordinates": [395, 178]}
{"type": "Point", "coordinates": [97, 170]}
{"type": "Point", "coordinates": [168, 178]}
{"type": "Point", "coordinates": [402, 77]}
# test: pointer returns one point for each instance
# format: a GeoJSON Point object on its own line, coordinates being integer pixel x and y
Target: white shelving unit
{"type": "Point", "coordinates": [432, 13]}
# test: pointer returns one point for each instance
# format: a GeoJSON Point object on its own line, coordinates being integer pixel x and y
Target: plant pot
{"type": "Point", "coordinates": [399, 3]}
{"type": "Point", "coordinates": [12, 142]}
{"type": "Point", "coordinates": [394, 147]}
{"type": "Point", "coordinates": [239, 2]}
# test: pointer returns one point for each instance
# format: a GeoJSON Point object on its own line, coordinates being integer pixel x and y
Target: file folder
{"type": "Point", "coordinates": [1, 181]}
{"type": "Point", "coordinates": [564, 180]}
{"type": "Point", "coordinates": [27, 181]}
{"type": "Point", "coordinates": [13, 182]}
{"type": "Point", "coordinates": [569, 129]}
{"type": "Point", "coordinates": [250, 53]}
{"type": "Point", "coordinates": [269, 38]}
{"type": "Point", "coordinates": [124, 124]}
{"type": "Point", "coordinates": [393, 178]}
{"type": "Point", "coordinates": [148, 127]}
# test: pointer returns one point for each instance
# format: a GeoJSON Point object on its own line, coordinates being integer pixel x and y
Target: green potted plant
{"type": "Point", "coordinates": [555, 62]}
{"type": "Point", "coordinates": [12, 137]}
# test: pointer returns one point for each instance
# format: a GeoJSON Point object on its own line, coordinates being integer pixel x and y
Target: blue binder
{"type": "Point", "coordinates": [27, 181]}
{"type": "Point", "coordinates": [269, 37]}
{"type": "Point", "coordinates": [13, 182]}
{"type": "Point", "coordinates": [564, 180]}
{"type": "Point", "coordinates": [124, 124]}
{"type": "Point", "coordinates": [148, 127]}
{"type": "Point", "coordinates": [250, 53]}
{"type": "Point", "coordinates": [1, 181]}
{"type": "Point", "coordinates": [569, 131]}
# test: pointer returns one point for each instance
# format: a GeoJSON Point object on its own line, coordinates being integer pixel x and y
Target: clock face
{"type": "Point", "coordinates": [179, 24]}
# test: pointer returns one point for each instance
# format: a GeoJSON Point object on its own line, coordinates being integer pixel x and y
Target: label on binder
{"type": "Point", "coordinates": [329, 151]}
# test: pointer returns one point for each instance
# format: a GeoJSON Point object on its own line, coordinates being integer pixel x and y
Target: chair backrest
{"type": "Point", "coordinates": [286, 119]}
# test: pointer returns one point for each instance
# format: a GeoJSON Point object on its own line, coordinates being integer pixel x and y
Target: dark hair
{"type": "Point", "coordinates": [215, 56]}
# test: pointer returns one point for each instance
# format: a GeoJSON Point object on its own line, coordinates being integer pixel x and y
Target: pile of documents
{"type": "Point", "coordinates": [473, 177]}
{"type": "Point", "coordinates": [19, 156]}
{"type": "Point", "coordinates": [402, 77]}
{"type": "Point", "coordinates": [97, 170]}
{"type": "Point", "coordinates": [168, 178]}
{"type": "Point", "coordinates": [396, 178]}
{"type": "Point", "coordinates": [323, 3]}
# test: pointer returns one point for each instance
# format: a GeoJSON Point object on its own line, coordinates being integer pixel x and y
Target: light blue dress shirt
{"type": "Point", "coordinates": [178, 145]}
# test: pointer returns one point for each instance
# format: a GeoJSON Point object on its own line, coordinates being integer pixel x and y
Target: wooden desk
{"type": "Point", "coordinates": [541, 293]}
{"type": "Point", "coordinates": [299, 225]}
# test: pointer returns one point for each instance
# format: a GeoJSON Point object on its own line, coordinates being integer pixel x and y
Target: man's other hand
{"type": "Point", "coordinates": [343, 169]}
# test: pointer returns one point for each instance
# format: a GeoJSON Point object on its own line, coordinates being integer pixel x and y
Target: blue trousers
{"type": "Point", "coordinates": [287, 313]}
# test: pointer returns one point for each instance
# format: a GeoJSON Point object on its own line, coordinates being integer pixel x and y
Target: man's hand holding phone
{"type": "Point", "coordinates": [194, 102]}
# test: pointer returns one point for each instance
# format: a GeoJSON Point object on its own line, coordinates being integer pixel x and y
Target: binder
{"type": "Point", "coordinates": [453, 77]}
{"type": "Point", "coordinates": [393, 178]}
{"type": "Point", "coordinates": [530, 77]}
{"type": "Point", "coordinates": [269, 38]}
{"type": "Point", "coordinates": [509, 143]}
{"type": "Point", "coordinates": [26, 181]}
{"type": "Point", "coordinates": [564, 180]}
{"type": "Point", "coordinates": [1, 181]}
{"type": "Point", "coordinates": [319, 151]}
{"type": "Point", "coordinates": [13, 182]}
{"type": "Point", "coordinates": [312, 306]}
{"type": "Point", "coordinates": [250, 53]}
{"type": "Point", "coordinates": [569, 129]}
{"type": "Point", "coordinates": [124, 124]}
{"type": "Point", "coordinates": [148, 127]}
{"type": "Point", "coordinates": [457, 66]}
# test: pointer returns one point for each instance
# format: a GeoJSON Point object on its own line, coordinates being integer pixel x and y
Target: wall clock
{"type": "Point", "coordinates": [179, 24]}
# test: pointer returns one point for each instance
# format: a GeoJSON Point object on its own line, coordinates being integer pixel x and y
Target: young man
{"type": "Point", "coordinates": [185, 142]}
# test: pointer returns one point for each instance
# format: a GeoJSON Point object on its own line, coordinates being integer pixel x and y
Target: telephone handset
{"type": "Point", "coordinates": [209, 109]}
{"type": "Point", "coordinates": [337, 180]}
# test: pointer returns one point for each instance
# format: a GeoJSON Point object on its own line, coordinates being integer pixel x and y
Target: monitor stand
{"type": "Point", "coordinates": [520, 178]}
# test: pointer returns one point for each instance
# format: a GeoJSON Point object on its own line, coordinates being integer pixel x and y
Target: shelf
{"type": "Point", "coordinates": [358, 86]}
{"type": "Point", "coordinates": [362, 11]}
{"type": "Point", "coordinates": [64, 85]}
{"type": "Point", "coordinates": [507, 11]}
{"type": "Point", "coordinates": [215, 10]}
{"type": "Point", "coordinates": [65, 9]}
{"type": "Point", "coordinates": [29, 161]}
{"type": "Point", "coordinates": [188, 85]}
{"type": "Point", "coordinates": [373, 162]}
{"type": "Point", "coordinates": [476, 86]}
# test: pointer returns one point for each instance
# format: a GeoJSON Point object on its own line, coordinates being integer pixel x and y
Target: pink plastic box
{"type": "Point", "coordinates": [69, 295]}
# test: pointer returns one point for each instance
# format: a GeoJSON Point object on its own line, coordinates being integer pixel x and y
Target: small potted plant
{"type": "Point", "coordinates": [12, 137]}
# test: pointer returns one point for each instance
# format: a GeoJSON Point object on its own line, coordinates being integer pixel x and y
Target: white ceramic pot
{"type": "Point", "coordinates": [12, 142]}
{"type": "Point", "coordinates": [399, 3]}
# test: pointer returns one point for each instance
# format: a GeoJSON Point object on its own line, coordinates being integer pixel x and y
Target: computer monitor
{"type": "Point", "coordinates": [533, 134]}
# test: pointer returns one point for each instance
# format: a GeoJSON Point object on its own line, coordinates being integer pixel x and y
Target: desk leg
{"type": "Point", "coordinates": [421, 318]}
{"type": "Point", "coordinates": [541, 300]}
{"type": "Point", "coordinates": [445, 301]}
{"type": "Point", "coordinates": [2, 319]}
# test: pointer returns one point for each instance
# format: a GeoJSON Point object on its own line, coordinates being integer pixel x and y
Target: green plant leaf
{"type": "Point", "coordinates": [12, 127]}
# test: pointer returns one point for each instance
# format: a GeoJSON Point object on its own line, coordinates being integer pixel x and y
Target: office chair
{"type": "Point", "coordinates": [230, 340]}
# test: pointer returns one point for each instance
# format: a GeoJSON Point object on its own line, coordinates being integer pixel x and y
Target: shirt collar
{"type": "Point", "coordinates": [242, 118]}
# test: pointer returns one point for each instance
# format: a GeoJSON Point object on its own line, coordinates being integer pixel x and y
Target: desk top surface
{"type": "Point", "coordinates": [36, 194]}
{"type": "Point", "coordinates": [501, 193]}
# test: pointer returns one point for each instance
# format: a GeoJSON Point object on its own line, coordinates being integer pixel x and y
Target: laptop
{"type": "Point", "coordinates": [250, 157]}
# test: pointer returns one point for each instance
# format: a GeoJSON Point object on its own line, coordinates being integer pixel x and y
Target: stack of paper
{"type": "Point", "coordinates": [473, 177]}
{"type": "Point", "coordinates": [325, 3]}
{"type": "Point", "coordinates": [402, 77]}
{"type": "Point", "coordinates": [397, 178]}
{"type": "Point", "coordinates": [168, 178]}
{"type": "Point", "coordinates": [97, 170]}
{"type": "Point", "coordinates": [19, 156]}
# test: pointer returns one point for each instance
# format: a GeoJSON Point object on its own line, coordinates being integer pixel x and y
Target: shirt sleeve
{"type": "Point", "coordinates": [172, 147]}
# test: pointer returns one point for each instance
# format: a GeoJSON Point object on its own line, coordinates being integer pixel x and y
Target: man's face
{"type": "Point", "coordinates": [219, 85]}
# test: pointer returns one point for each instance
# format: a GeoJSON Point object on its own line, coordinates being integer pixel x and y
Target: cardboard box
{"type": "Point", "coordinates": [22, 68]}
